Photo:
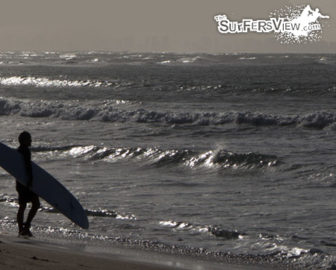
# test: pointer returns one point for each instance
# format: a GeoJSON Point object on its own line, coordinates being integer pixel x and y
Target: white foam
{"type": "Point", "coordinates": [57, 83]}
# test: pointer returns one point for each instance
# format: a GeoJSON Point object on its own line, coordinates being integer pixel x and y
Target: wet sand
{"type": "Point", "coordinates": [22, 254]}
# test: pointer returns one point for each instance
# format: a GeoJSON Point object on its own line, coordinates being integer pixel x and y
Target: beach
{"type": "Point", "coordinates": [22, 253]}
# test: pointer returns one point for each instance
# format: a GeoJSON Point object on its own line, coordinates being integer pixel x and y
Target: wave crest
{"type": "Point", "coordinates": [108, 111]}
{"type": "Point", "coordinates": [227, 159]}
{"type": "Point", "coordinates": [59, 83]}
{"type": "Point", "coordinates": [212, 159]}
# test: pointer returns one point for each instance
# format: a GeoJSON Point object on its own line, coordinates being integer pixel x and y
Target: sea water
{"type": "Point", "coordinates": [219, 156]}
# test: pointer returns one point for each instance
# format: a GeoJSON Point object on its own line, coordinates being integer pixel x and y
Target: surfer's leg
{"type": "Point", "coordinates": [20, 214]}
{"type": "Point", "coordinates": [35, 206]}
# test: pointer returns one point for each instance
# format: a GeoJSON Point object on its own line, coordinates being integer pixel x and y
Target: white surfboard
{"type": "Point", "coordinates": [44, 185]}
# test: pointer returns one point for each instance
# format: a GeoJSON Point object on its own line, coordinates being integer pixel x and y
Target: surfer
{"type": "Point", "coordinates": [25, 193]}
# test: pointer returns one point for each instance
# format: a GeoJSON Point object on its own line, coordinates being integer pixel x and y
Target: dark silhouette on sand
{"type": "Point", "coordinates": [25, 193]}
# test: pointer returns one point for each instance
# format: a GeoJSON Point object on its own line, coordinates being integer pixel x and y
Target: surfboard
{"type": "Point", "coordinates": [44, 185]}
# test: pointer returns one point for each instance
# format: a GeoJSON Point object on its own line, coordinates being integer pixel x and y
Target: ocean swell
{"type": "Point", "coordinates": [107, 111]}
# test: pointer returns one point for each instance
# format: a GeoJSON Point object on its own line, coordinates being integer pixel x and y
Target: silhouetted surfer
{"type": "Point", "coordinates": [25, 194]}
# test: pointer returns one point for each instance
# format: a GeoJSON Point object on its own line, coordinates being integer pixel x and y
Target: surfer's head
{"type": "Point", "coordinates": [25, 139]}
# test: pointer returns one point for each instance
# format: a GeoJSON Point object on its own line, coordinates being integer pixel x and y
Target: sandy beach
{"type": "Point", "coordinates": [25, 254]}
{"type": "Point", "coordinates": [32, 254]}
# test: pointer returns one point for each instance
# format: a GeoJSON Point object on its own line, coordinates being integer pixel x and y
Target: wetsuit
{"type": "Point", "coordinates": [25, 194]}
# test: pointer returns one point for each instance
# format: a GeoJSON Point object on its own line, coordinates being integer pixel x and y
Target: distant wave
{"type": "Point", "coordinates": [96, 58]}
{"type": "Point", "coordinates": [68, 56]}
{"type": "Point", "coordinates": [248, 58]}
{"type": "Point", "coordinates": [212, 159]}
{"type": "Point", "coordinates": [58, 83]}
{"type": "Point", "coordinates": [107, 112]}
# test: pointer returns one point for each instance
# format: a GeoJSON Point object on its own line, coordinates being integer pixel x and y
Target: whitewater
{"type": "Point", "coordinates": [227, 157]}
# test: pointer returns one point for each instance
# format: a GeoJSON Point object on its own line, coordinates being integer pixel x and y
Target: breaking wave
{"type": "Point", "coordinates": [107, 111]}
{"type": "Point", "coordinates": [59, 83]}
{"type": "Point", "coordinates": [213, 230]}
{"type": "Point", "coordinates": [157, 157]}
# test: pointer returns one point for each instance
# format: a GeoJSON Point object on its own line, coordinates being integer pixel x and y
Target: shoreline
{"type": "Point", "coordinates": [20, 253]}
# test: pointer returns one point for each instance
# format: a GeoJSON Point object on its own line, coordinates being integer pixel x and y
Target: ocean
{"type": "Point", "coordinates": [224, 157]}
